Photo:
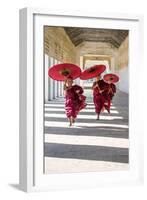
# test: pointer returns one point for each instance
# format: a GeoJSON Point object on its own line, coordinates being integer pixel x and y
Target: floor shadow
{"type": "Point", "coordinates": [90, 131]}
{"type": "Point", "coordinates": [106, 121]}
{"type": "Point", "coordinates": [87, 152]}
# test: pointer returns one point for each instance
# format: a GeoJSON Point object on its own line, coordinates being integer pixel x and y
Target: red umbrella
{"type": "Point", "coordinates": [113, 78]}
{"type": "Point", "coordinates": [92, 72]}
{"type": "Point", "coordinates": [60, 72]}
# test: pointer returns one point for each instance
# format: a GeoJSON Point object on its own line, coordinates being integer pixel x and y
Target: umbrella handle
{"type": "Point", "coordinates": [110, 89]}
{"type": "Point", "coordinates": [97, 85]}
{"type": "Point", "coordinates": [64, 86]}
{"type": "Point", "coordinates": [99, 88]}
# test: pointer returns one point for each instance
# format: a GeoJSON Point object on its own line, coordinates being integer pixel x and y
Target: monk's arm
{"type": "Point", "coordinates": [65, 87]}
{"type": "Point", "coordinates": [94, 85]}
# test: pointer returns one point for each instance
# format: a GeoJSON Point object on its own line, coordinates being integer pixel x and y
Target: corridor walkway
{"type": "Point", "coordinates": [90, 145]}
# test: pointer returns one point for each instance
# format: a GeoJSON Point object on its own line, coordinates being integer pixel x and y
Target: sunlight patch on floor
{"type": "Point", "coordinates": [87, 140]}
{"type": "Point", "coordinates": [84, 125]}
{"type": "Point", "coordinates": [63, 165]}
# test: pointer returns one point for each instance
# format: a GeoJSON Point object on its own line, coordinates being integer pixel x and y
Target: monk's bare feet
{"type": "Point", "coordinates": [98, 117]}
{"type": "Point", "coordinates": [70, 121]}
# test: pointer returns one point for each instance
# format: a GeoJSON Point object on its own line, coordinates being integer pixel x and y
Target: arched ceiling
{"type": "Point", "coordinates": [112, 36]}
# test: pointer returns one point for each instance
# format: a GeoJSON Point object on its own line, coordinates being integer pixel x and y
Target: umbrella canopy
{"type": "Point", "coordinates": [92, 72]}
{"type": "Point", "coordinates": [61, 72]}
{"type": "Point", "coordinates": [113, 78]}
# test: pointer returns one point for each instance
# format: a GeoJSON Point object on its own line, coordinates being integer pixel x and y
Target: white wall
{"type": "Point", "coordinates": [123, 84]}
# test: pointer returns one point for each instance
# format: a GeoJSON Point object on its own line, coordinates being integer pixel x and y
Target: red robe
{"type": "Point", "coordinates": [98, 97]}
{"type": "Point", "coordinates": [74, 101]}
{"type": "Point", "coordinates": [108, 95]}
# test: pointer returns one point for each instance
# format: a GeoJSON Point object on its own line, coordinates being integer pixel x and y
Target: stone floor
{"type": "Point", "coordinates": [90, 145]}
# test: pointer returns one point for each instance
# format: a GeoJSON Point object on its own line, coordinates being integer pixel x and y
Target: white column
{"type": "Point", "coordinates": [51, 82]}
{"type": "Point", "coordinates": [62, 91]}
{"type": "Point", "coordinates": [58, 94]}
{"type": "Point", "coordinates": [53, 86]}
{"type": "Point", "coordinates": [82, 68]}
{"type": "Point", "coordinates": [58, 89]}
{"type": "Point", "coordinates": [55, 89]}
{"type": "Point", "coordinates": [55, 82]}
{"type": "Point", "coordinates": [58, 84]}
{"type": "Point", "coordinates": [46, 95]}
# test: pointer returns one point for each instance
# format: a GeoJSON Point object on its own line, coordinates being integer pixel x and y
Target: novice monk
{"type": "Point", "coordinates": [74, 100]}
{"type": "Point", "coordinates": [98, 98]}
{"type": "Point", "coordinates": [108, 94]}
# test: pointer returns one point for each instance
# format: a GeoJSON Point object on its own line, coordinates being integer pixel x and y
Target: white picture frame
{"type": "Point", "coordinates": [31, 175]}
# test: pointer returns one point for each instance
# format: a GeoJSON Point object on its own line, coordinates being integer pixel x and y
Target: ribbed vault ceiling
{"type": "Point", "coordinates": [112, 36]}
